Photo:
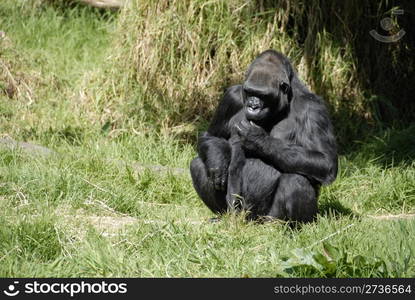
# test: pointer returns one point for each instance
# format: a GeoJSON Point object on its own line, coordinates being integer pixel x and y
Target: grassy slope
{"type": "Point", "coordinates": [83, 213]}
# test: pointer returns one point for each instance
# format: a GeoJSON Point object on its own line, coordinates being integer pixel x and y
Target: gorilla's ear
{"type": "Point", "coordinates": [285, 87]}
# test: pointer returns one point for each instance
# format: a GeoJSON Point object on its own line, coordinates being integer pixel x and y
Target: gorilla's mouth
{"type": "Point", "coordinates": [254, 108]}
{"type": "Point", "coordinates": [256, 112]}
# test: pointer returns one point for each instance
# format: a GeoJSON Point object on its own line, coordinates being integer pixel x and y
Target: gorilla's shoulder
{"type": "Point", "coordinates": [308, 101]}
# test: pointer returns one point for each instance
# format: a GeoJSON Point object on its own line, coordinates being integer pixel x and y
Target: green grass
{"type": "Point", "coordinates": [89, 211]}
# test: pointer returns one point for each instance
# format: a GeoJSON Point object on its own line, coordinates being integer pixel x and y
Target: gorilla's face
{"type": "Point", "coordinates": [266, 90]}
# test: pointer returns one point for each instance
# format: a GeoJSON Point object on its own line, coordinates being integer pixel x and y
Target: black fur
{"type": "Point", "coordinates": [269, 147]}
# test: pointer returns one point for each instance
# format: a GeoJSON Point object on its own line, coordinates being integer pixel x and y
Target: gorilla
{"type": "Point", "coordinates": [269, 147]}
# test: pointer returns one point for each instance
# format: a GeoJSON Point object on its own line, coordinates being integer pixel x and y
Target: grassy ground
{"type": "Point", "coordinates": [89, 211]}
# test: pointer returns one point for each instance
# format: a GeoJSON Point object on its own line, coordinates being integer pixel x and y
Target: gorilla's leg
{"type": "Point", "coordinates": [214, 199]}
{"type": "Point", "coordinates": [235, 176]}
{"type": "Point", "coordinates": [295, 199]}
{"type": "Point", "coordinates": [259, 182]}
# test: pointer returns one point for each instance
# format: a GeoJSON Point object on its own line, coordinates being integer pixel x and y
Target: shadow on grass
{"type": "Point", "coordinates": [334, 208]}
{"type": "Point", "coordinates": [387, 148]}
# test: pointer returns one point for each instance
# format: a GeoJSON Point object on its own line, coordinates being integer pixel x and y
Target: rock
{"type": "Point", "coordinates": [105, 3]}
{"type": "Point", "coordinates": [10, 144]}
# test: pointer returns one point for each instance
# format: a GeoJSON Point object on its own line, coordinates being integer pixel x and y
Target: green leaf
{"type": "Point", "coordinates": [301, 257]}
{"type": "Point", "coordinates": [330, 251]}
{"type": "Point", "coordinates": [359, 261]}
{"type": "Point", "coordinates": [106, 127]}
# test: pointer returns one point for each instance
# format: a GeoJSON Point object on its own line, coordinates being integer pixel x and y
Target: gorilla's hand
{"type": "Point", "coordinates": [218, 176]}
{"type": "Point", "coordinates": [251, 135]}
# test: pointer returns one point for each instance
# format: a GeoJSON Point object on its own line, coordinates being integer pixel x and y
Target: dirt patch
{"type": "Point", "coordinates": [78, 221]}
{"type": "Point", "coordinates": [110, 223]}
{"type": "Point", "coordinates": [392, 217]}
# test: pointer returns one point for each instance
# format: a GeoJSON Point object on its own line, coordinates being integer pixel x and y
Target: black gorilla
{"type": "Point", "coordinates": [269, 147]}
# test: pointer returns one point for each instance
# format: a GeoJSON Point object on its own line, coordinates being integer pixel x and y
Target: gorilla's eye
{"type": "Point", "coordinates": [284, 87]}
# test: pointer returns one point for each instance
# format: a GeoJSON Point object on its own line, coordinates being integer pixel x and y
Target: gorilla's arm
{"type": "Point", "coordinates": [213, 146]}
{"type": "Point", "coordinates": [299, 160]}
{"type": "Point", "coordinates": [305, 145]}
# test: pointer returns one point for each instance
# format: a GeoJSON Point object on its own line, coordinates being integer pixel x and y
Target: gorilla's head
{"type": "Point", "coordinates": [267, 87]}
